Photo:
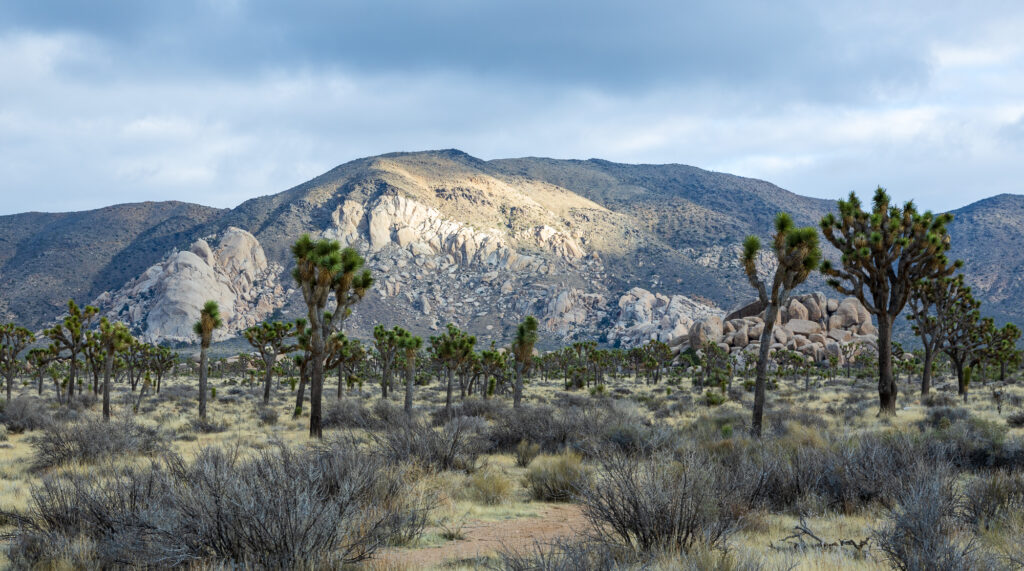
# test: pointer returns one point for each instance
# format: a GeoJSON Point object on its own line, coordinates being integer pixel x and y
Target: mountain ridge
{"type": "Point", "coordinates": [571, 237]}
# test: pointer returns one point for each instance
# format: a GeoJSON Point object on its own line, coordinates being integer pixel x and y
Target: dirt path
{"type": "Point", "coordinates": [487, 537]}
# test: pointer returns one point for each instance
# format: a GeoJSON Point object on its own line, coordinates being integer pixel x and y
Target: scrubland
{"type": "Point", "coordinates": [631, 476]}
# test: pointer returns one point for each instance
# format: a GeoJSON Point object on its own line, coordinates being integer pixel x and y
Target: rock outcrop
{"type": "Point", "coordinates": [811, 324]}
{"type": "Point", "coordinates": [164, 302]}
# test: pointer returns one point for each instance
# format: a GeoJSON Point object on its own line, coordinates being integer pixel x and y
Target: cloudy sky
{"type": "Point", "coordinates": [217, 101]}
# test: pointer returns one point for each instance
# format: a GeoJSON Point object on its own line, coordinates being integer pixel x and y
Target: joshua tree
{"type": "Point", "coordinates": [450, 350]}
{"type": "Point", "coordinates": [388, 345]}
{"type": "Point", "coordinates": [347, 355]}
{"type": "Point", "coordinates": [797, 252]}
{"type": "Point", "coordinates": [69, 335]}
{"type": "Point", "coordinates": [209, 319]}
{"type": "Point", "coordinates": [410, 344]}
{"type": "Point", "coordinates": [941, 294]}
{"type": "Point", "coordinates": [883, 254]}
{"type": "Point", "coordinates": [302, 337]}
{"type": "Point", "coordinates": [323, 268]}
{"type": "Point", "coordinates": [40, 360]}
{"type": "Point", "coordinates": [1003, 348]}
{"type": "Point", "coordinates": [658, 356]}
{"type": "Point", "coordinates": [269, 338]}
{"type": "Point", "coordinates": [161, 361]}
{"type": "Point", "coordinates": [112, 338]}
{"type": "Point", "coordinates": [13, 340]}
{"type": "Point", "coordinates": [494, 367]}
{"type": "Point", "coordinates": [522, 349]}
{"type": "Point", "coordinates": [960, 330]}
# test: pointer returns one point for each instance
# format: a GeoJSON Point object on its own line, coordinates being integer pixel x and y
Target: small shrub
{"type": "Point", "coordinates": [557, 478]}
{"type": "Point", "coordinates": [940, 400]}
{"type": "Point", "coordinates": [992, 496]}
{"type": "Point", "coordinates": [347, 413]}
{"type": "Point", "coordinates": [526, 452]}
{"type": "Point", "coordinates": [26, 413]}
{"type": "Point", "coordinates": [209, 426]}
{"type": "Point", "coordinates": [490, 486]}
{"type": "Point", "coordinates": [93, 440]}
{"type": "Point", "coordinates": [921, 532]}
{"type": "Point", "coordinates": [942, 417]}
{"type": "Point", "coordinates": [655, 505]}
{"type": "Point", "coordinates": [388, 413]}
{"type": "Point", "coordinates": [1015, 420]}
{"type": "Point", "coordinates": [267, 416]}
{"type": "Point", "coordinates": [713, 398]}
{"type": "Point", "coordinates": [454, 447]}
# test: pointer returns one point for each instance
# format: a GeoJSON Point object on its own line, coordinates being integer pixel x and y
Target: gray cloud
{"type": "Point", "coordinates": [216, 102]}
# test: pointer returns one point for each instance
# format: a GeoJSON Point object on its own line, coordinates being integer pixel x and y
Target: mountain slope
{"type": "Point", "coordinates": [451, 237]}
{"type": "Point", "coordinates": [45, 259]}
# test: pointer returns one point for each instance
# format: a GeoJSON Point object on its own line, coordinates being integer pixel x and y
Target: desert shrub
{"type": "Point", "coordinates": [714, 398]}
{"type": "Point", "coordinates": [267, 416]}
{"type": "Point", "coordinates": [542, 425]}
{"type": "Point", "coordinates": [1015, 420]}
{"type": "Point", "coordinates": [348, 413]}
{"type": "Point", "coordinates": [210, 425]}
{"type": "Point", "coordinates": [388, 413]}
{"type": "Point", "coordinates": [489, 486]}
{"type": "Point", "coordinates": [557, 478]}
{"type": "Point", "coordinates": [921, 532]}
{"type": "Point", "coordinates": [942, 399]}
{"type": "Point", "coordinates": [656, 505]}
{"type": "Point", "coordinates": [456, 446]}
{"type": "Point", "coordinates": [93, 440]}
{"type": "Point", "coordinates": [26, 413]}
{"type": "Point", "coordinates": [565, 555]}
{"type": "Point", "coordinates": [942, 417]}
{"type": "Point", "coordinates": [320, 508]}
{"type": "Point", "coordinates": [3, 433]}
{"type": "Point", "coordinates": [991, 496]}
{"type": "Point", "coordinates": [490, 409]}
{"type": "Point", "coordinates": [526, 452]}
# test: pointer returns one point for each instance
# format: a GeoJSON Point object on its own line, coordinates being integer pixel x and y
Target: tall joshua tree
{"type": "Point", "coordinates": [69, 335]}
{"type": "Point", "coordinates": [1003, 348]}
{"type": "Point", "coordinates": [522, 349]}
{"type": "Point", "coordinates": [885, 252]}
{"type": "Point", "coordinates": [270, 339]}
{"type": "Point", "coordinates": [112, 338]}
{"type": "Point", "coordinates": [410, 344]}
{"type": "Point", "coordinates": [13, 340]}
{"type": "Point", "coordinates": [798, 254]}
{"type": "Point", "coordinates": [323, 268]}
{"type": "Point", "coordinates": [209, 319]}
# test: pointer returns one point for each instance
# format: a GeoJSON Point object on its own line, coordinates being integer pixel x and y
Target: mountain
{"type": "Point", "coordinates": [594, 249]}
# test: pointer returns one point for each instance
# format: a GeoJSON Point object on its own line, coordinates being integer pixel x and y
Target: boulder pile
{"type": "Point", "coordinates": [811, 324]}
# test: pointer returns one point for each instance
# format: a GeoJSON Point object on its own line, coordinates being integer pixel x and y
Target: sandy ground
{"type": "Point", "coordinates": [484, 538]}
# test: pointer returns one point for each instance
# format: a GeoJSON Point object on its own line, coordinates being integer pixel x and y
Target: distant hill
{"type": "Point", "coordinates": [480, 243]}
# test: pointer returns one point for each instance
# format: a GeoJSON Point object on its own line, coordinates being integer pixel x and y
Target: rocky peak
{"type": "Point", "coordinates": [163, 303]}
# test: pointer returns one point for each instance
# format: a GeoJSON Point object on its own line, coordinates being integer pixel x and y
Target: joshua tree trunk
{"type": "Point", "coordinates": [761, 379]}
{"type": "Point", "coordinates": [316, 388]}
{"type": "Point", "coordinates": [886, 384]}
{"type": "Point", "coordinates": [926, 371]}
{"type": "Point", "coordinates": [341, 380]}
{"type": "Point", "coordinates": [448, 395]}
{"type": "Point", "coordinates": [203, 365]}
{"type": "Point", "coordinates": [410, 377]}
{"type": "Point", "coordinates": [268, 362]}
{"type": "Point", "coordinates": [517, 394]}
{"type": "Point", "coordinates": [72, 374]}
{"type": "Point", "coordinates": [108, 366]}
{"type": "Point", "coordinates": [301, 393]}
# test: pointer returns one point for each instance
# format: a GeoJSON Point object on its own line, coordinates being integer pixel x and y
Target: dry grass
{"type": "Point", "coordinates": [492, 491]}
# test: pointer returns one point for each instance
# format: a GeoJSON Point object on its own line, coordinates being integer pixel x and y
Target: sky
{"type": "Point", "coordinates": [216, 102]}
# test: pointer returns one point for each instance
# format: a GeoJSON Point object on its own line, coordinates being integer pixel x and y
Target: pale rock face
{"type": "Point", "coordinates": [645, 316]}
{"type": "Point", "coordinates": [570, 307]}
{"type": "Point", "coordinates": [797, 310]}
{"type": "Point", "coordinates": [164, 302]}
{"type": "Point", "coordinates": [423, 231]}
{"type": "Point", "coordinates": [812, 324]}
